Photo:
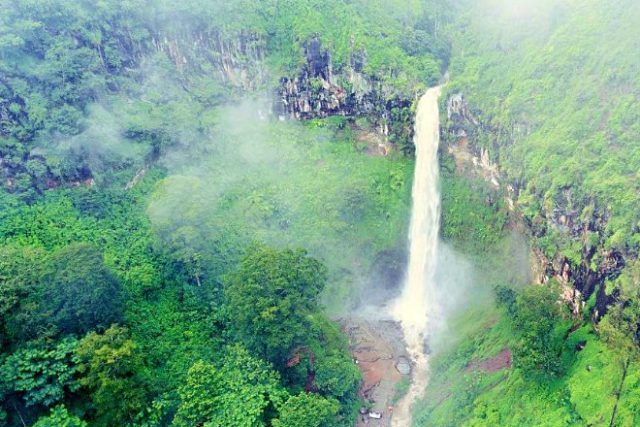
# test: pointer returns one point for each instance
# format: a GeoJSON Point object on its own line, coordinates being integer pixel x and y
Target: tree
{"type": "Point", "coordinates": [80, 293]}
{"type": "Point", "coordinates": [336, 375]}
{"type": "Point", "coordinates": [506, 298]}
{"type": "Point", "coordinates": [540, 327]}
{"type": "Point", "coordinates": [621, 326]}
{"type": "Point", "coordinates": [59, 417]}
{"type": "Point", "coordinates": [41, 375]}
{"type": "Point", "coordinates": [308, 410]}
{"type": "Point", "coordinates": [241, 392]}
{"type": "Point", "coordinates": [21, 269]}
{"type": "Point", "coordinates": [109, 369]}
{"type": "Point", "coordinates": [270, 298]}
{"type": "Point", "coordinates": [620, 329]}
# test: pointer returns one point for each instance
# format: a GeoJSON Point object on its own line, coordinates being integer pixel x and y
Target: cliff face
{"type": "Point", "coordinates": [221, 64]}
{"type": "Point", "coordinates": [214, 68]}
{"type": "Point", "coordinates": [236, 61]}
{"type": "Point", "coordinates": [318, 92]}
{"type": "Point", "coordinates": [581, 274]}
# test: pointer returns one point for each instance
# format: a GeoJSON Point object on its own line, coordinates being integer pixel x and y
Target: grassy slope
{"type": "Point", "coordinates": [459, 396]}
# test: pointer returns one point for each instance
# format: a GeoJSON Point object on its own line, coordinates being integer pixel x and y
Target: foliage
{"type": "Point", "coordinates": [506, 298]}
{"type": "Point", "coordinates": [619, 327]}
{"type": "Point", "coordinates": [68, 66]}
{"type": "Point", "coordinates": [467, 220]}
{"type": "Point", "coordinates": [103, 104]}
{"type": "Point", "coordinates": [336, 376]}
{"type": "Point", "coordinates": [80, 293]}
{"type": "Point", "coordinates": [110, 369]}
{"type": "Point", "coordinates": [555, 91]}
{"type": "Point", "coordinates": [538, 323]}
{"type": "Point", "coordinates": [306, 409]}
{"type": "Point", "coordinates": [134, 190]}
{"type": "Point", "coordinates": [41, 375]}
{"type": "Point", "coordinates": [517, 397]}
{"type": "Point", "coordinates": [241, 392]}
{"type": "Point", "coordinates": [59, 417]}
{"type": "Point", "coordinates": [270, 298]}
{"type": "Point", "coordinates": [567, 137]}
{"type": "Point", "coordinates": [21, 269]}
{"type": "Point", "coordinates": [263, 184]}
{"type": "Point", "coordinates": [171, 321]}
{"type": "Point", "coordinates": [245, 391]}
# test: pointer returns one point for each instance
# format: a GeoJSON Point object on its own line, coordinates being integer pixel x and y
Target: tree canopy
{"type": "Point", "coordinates": [270, 299]}
{"type": "Point", "coordinates": [80, 293]}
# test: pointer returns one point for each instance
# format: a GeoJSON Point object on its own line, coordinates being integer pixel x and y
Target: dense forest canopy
{"type": "Point", "coordinates": [193, 192]}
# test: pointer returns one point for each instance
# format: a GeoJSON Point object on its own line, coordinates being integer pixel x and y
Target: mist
{"type": "Point", "coordinates": [252, 178]}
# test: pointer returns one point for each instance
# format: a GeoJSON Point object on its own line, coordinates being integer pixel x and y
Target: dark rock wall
{"type": "Point", "coordinates": [318, 92]}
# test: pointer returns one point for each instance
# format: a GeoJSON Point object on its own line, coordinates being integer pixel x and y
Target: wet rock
{"type": "Point", "coordinates": [403, 366]}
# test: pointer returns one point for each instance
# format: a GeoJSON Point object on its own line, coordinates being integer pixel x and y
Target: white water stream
{"type": "Point", "coordinates": [412, 307]}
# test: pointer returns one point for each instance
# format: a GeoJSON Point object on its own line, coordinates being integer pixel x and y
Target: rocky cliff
{"type": "Point", "coordinates": [318, 91]}
{"type": "Point", "coordinates": [587, 264]}
{"type": "Point", "coordinates": [237, 61]}
{"type": "Point", "coordinates": [213, 67]}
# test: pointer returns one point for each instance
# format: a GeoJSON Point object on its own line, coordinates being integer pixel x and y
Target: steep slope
{"type": "Point", "coordinates": [543, 106]}
{"type": "Point", "coordinates": [551, 95]}
{"type": "Point", "coordinates": [59, 59]}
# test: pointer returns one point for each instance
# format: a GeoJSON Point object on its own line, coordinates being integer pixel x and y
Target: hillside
{"type": "Point", "coordinates": [196, 198]}
{"type": "Point", "coordinates": [156, 187]}
{"type": "Point", "coordinates": [544, 98]}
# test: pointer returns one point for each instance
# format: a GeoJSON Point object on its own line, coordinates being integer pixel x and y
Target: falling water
{"type": "Point", "coordinates": [413, 305]}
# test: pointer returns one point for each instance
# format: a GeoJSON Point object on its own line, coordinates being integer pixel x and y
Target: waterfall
{"type": "Point", "coordinates": [412, 307]}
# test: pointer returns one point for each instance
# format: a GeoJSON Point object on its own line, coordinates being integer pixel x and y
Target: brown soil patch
{"type": "Point", "coordinates": [502, 360]}
{"type": "Point", "coordinates": [376, 347]}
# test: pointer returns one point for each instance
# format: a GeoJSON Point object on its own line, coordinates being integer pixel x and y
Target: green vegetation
{"type": "Point", "coordinates": [584, 393]}
{"type": "Point", "coordinates": [271, 298]}
{"type": "Point", "coordinates": [286, 185]}
{"type": "Point", "coordinates": [59, 417]}
{"type": "Point", "coordinates": [564, 371]}
{"type": "Point", "coordinates": [143, 372]}
{"type": "Point", "coordinates": [170, 251]}
{"type": "Point", "coordinates": [555, 91]}
{"type": "Point", "coordinates": [152, 207]}
{"type": "Point", "coordinates": [89, 89]}
{"type": "Point", "coordinates": [539, 326]}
